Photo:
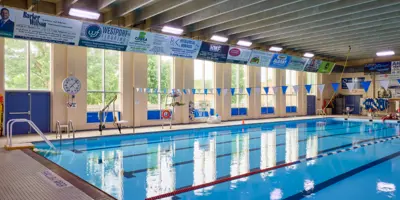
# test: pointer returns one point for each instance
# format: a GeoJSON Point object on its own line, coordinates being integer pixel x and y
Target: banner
{"type": "Point", "coordinates": [313, 65]}
{"type": "Point", "coordinates": [378, 68]}
{"type": "Point", "coordinates": [266, 90]}
{"type": "Point", "coordinates": [183, 47]}
{"type": "Point", "coordinates": [213, 52]}
{"type": "Point", "coordinates": [260, 58]}
{"type": "Point", "coordinates": [248, 91]}
{"type": "Point", "coordinates": [335, 86]}
{"type": "Point", "coordinates": [238, 55]}
{"type": "Point", "coordinates": [284, 88]}
{"type": "Point", "coordinates": [326, 67]}
{"type": "Point", "coordinates": [366, 85]}
{"type": "Point", "coordinates": [321, 88]}
{"type": "Point", "coordinates": [140, 41]}
{"type": "Point", "coordinates": [308, 88]}
{"type": "Point", "coordinates": [104, 37]}
{"type": "Point", "coordinates": [295, 88]}
{"type": "Point", "coordinates": [297, 63]}
{"type": "Point", "coordinates": [350, 86]}
{"type": "Point", "coordinates": [384, 84]}
{"type": "Point", "coordinates": [45, 28]}
{"type": "Point", "coordinates": [280, 61]}
{"type": "Point", "coordinates": [7, 22]}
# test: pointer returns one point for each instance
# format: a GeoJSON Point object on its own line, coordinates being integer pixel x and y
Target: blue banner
{"type": "Point", "coordinates": [366, 85]}
{"type": "Point", "coordinates": [378, 68]}
{"type": "Point", "coordinates": [213, 52]}
{"type": "Point", "coordinates": [233, 91]}
{"type": "Point", "coordinates": [280, 61]}
{"type": "Point", "coordinates": [219, 91]}
{"type": "Point", "coordinates": [266, 90]}
{"type": "Point", "coordinates": [284, 88]}
{"type": "Point", "coordinates": [308, 88]}
{"type": "Point", "coordinates": [335, 86]}
{"type": "Point", "coordinates": [248, 91]}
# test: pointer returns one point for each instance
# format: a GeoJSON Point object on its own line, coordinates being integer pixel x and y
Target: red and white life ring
{"type": "Point", "coordinates": [165, 114]}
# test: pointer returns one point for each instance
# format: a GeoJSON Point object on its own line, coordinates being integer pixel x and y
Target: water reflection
{"type": "Point", "coordinates": [268, 152]}
{"type": "Point", "coordinates": [312, 148]}
{"type": "Point", "coordinates": [240, 157]}
{"type": "Point", "coordinates": [292, 146]}
{"type": "Point", "coordinates": [204, 160]}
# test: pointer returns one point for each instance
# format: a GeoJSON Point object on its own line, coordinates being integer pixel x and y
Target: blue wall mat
{"type": "Point", "coordinates": [291, 109]}
{"type": "Point", "coordinates": [17, 102]}
{"type": "Point", "coordinates": [238, 111]}
{"type": "Point", "coordinates": [92, 117]}
{"type": "Point", "coordinates": [40, 110]}
{"type": "Point", "coordinates": [212, 111]}
{"type": "Point", "coordinates": [310, 105]}
{"type": "Point", "coordinates": [267, 110]}
{"type": "Point", "coordinates": [200, 114]}
{"type": "Point", "coordinates": [153, 115]}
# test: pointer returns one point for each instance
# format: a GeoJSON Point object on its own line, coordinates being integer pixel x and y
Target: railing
{"type": "Point", "coordinates": [10, 124]}
{"type": "Point", "coordinates": [70, 128]}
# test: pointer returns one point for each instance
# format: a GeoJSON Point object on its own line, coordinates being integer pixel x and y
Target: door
{"type": "Point", "coordinates": [311, 104]}
{"type": "Point", "coordinates": [17, 107]}
{"type": "Point", "coordinates": [40, 110]}
{"type": "Point", "coordinates": [353, 102]}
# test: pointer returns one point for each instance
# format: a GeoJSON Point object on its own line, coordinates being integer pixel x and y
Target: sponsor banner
{"type": "Point", "coordinates": [238, 55]}
{"type": "Point", "coordinates": [326, 67]}
{"type": "Point", "coordinates": [313, 65]}
{"type": "Point", "coordinates": [183, 47]}
{"type": "Point", "coordinates": [356, 81]}
{"type": "Point", "coordinates": [280, 61]}
{"type": "Point", "coordinates": [104, 37]}
{"type": "Point", "coordinates": [260, 58]}
{"type": "Point", "coordinates": [393, 76]}
{"type": "Point", "coordinates": [7, 21]}
{"type": "Point", "coordinates": [297, 63]}
{"type": "Point", "coordinates": [45, 28]}
{"type": "Point", "coordinates": [213, 52]}
{"type": "Point", "coordinates": [140, 41]}
{"type": "Point", "coordinates": [378, 68]}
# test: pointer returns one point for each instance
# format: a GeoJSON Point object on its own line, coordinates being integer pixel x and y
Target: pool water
{"type": "Point", "coordinates": [313, 159]}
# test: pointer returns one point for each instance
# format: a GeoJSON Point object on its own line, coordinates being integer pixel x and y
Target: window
{"type": "Point", "coordinates": [291, 96]}
{"type": "Point", "coordinates": [267, 100]}
{"type": "Point", "coordinates": [312, 80]}
{"type": "Point", "coordinates": [239, 81]}
{"type": "Point", "coordinates": [203, 79]}
{"type": "Point", "coordinates": [27, 65]}
{"type": "Point", "coordinates": [159, 79]}
{"type": "Point", "coordinates": [103, 75]}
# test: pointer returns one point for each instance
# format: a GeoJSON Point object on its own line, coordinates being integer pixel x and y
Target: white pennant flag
{"type": "Point", "coordinates": [295, 88]}
{"type": "Point", "coordinates": [275, 89]}
{"type": "Point", "coordinates": [225, 92]}
{"type": "Point", "coordinates": [258, 90]}
{"type": "Point", "coordinates": [384, 84]}
{"type": "Point", "coordinates": [350, 86]}
{"type": "Point", "coordinates": [321, 88]}
{"type": "Point", "coordinates": [210, 91]}
{"type": "Point", "coordinates": [188, 91]}
{"type": "Point", "coordinates": [240, 90]}
{"type": "Point", "coordinates": [140, 89]}
{"type": "Point", "coordinates": [137, 89]}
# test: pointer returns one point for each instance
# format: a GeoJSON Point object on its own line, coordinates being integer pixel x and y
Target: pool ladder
{"type": "Point", "coordinates": [69, 127]}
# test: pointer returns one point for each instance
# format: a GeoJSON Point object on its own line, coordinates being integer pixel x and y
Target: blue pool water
{"type": "Point", "coordinates": [338, 160]}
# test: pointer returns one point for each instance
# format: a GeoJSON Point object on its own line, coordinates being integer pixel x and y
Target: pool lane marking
{"type": "Point", "coordinates": [226, 179]}
{"type": "Point", "coordinates": [189, 138]}
{"type": "Point", "coordinates": [129, 173]}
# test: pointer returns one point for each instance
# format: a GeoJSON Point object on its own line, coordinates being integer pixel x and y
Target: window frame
{"type": "Point", "coordinates": [268, 70]}
{"type": "Point", "coordinates": [203, 80]}
{"type": "Point", "coordinates": [237, 86]}
{"type": "Point", "coordinates": [290, 92]}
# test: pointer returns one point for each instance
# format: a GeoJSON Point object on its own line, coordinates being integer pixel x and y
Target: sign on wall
{"type": "Point", "coordinates": [280, 61]}
{"type": "Point", "coordinates": [238, 55]}
{"type": "Point", "coordinates": [357, 82]}
{"type": "Point", "coordinates": [378, 68]}
{"type": "Point", "coordinates": [7, 21]}
{"type": "Point", "coordinates": [260, 58]}
{"type": "Point", "coordinates": [297, 63]}
{"type": "Point", "coordinates": [326, 67]}
{"type": "Point", "coordinates": [313, 65]}
{"type": "Point", "coordinates": [213, 52]}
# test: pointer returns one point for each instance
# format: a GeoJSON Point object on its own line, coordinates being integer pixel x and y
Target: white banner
{"type": "Point", "coordinates": [321, 88]}
{"type": "Point", "coordinates": [238, 55]}
{"type": "Point", "coordinates": [384, 84]}
{"type": "Point", "coordinates": [350, 86]}
{"type": "Point", "coordinates": [260, 58]}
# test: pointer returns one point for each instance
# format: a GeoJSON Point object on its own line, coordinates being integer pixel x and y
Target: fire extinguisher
{"type": "Point", "coordinates": [1, 114]}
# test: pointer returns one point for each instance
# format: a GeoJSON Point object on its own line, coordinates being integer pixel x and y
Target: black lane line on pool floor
{"type": "Point", "coordinates": [196, 137]}
{"type": "Point", "coordinates": [129, 174]}
{"type": "Point", "coordinates": [226, 179]}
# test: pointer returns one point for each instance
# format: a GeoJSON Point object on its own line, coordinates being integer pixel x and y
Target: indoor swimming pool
{"type": "Point", "coordinates": [318, 159]}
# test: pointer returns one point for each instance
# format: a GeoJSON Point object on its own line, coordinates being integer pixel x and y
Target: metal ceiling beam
{"type": "Point", "coordinates": [101, 4]}
{"type": "Point", "coordinates": [318, 21]}
{"type": "Point", "coordinates": [358, 44]}
{"type": "Point", "coordinates": [269, 9]}
{"type": "Point", "coordinates": [158, 8]}
{"type": "Point", "coordinates": [130, 5]}
{"type": "Point", "coordinates": [309, 15]}
{"type": "Point", "coordinates": [217, 10]}
{"type": "Point", "coordinates": [184, 10]}
{"type": "Point", "coordinates": [372, 47]}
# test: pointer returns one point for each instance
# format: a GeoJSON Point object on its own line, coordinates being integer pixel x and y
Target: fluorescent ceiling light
{"type": "Point", "coordinates": [83, 13]}
{"type": "Point", "coordinates": [168, 29]}
{"type": "Point", "coordinates": [219, 38]}
{"type": "Point", "coordinates": [309, 55]}
{"type": "Point", "coordinates": [278, 49]}
{"type": "Point", "coordinates": [244, 43]}
{"type": "Point", "coordinates": [385, 53]}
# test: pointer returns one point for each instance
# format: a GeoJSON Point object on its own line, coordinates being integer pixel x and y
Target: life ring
{"type": "Point", "coordinates": [165, 114]}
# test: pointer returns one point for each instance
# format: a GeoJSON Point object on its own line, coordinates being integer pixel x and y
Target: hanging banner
{"type": "Point", "coordinates": [266, 90]}
{"type": "Point", "coordinates": [44, 28]}
{"type": "Point", "coordinates": [350, 86]}
{"type": "Point", "coordinates": [8, 20]}
{"type": "Point", "coordinates": [140, 41]}
{"type": "Point", "coordinates": [104, 37]}
{"type": "Point", "coordinates": [183, 47]}
{"type": "Point", "coordinates": [366, 85]}
{"type": "Point", "coordinates": [260, 58]}
{"type": "Point", "coordinates": [213, 52]}
{"type": "Point", "coordinates": [233, 91]}
{"type": "Point", "coordinates": [378, 68]}
{"type": "Point", "coordinates": [238, 55]}
{"type": "Point", "coordinates": [313, 65]}
{"type": "Point", "coordinates": [308, 88]}
{"type": "Point", "coordinates": [296, 88]}
{"type": "Point", "coordinates": [248, 91]}
{"type": "Point", "coordinates": [335, 86]}
{"type": "Point", "coordinates": [275, 89]}
{"type": "Point", "coordinates": [284, 88]}
{"type": "Point", "coordinates": [280, 61]}
{"type": "Point", "coordinates": [392, 77]}
{"type": "Point", "coordinates": [384, 84]}
{"type": "Point", "coordinates": [219, 91]}
{"type": "Point", "coordinates": [297, 63]}
{"type": "Point", "coordinates": [321, 88]}
{"type": "Point", "coordinates": [326, 67]}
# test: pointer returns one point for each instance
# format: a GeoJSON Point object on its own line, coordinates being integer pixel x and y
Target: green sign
{"type": "Point", "coordinates": [326, 67]}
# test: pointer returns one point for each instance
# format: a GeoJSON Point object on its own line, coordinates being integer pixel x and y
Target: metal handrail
{"type": "Point", "coordinates": [10, 124]}
{"type": "Point", "coordinates": [71, 128]}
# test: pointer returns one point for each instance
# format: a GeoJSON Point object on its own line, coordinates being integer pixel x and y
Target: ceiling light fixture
{"type": "Point", "coordinates": [277, 49]}
{"type": "Point", "coordinates": [244, 43]}
{"type": "Point", "coordinates": [308, 55]}
{"type": "Point", "coordinates": [168, 29]}
{"type": "Point", "coordinates": [219, 38]}
{"type": "Point", "coordinates": [84, 13]}
{"type": "Point", "coordinates": [385, 53]}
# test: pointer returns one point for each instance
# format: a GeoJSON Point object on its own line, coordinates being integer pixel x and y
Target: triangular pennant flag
{"type": "Point", "coordinates": [296, 88]}
{"type": "Point", "coordinates": [350, 86]}
{"type": "Point", "coordinates": [225, 91]}
{"type": "Point", "coordinates": [210, 91]}
{"type": "Point", "coordinates": [398, 80]}
{"type": "Point", "coordinates": [284, 88]}
{"type": "Point", "coordinates": [219, 91]}
{"type": "Point", "coordinates": [148, 90]}
{"type": "Point", "coordinates": [137, 89]}
{"type": "Point", "coordinates": [275, 89]}
{"type": "Point", "coordinates": [240, 90]}
{"type": "Point", "coordinates": [321, 88]}
{"type": "Point", "coordinates": [308, 88]}
{"type": "Point", "coordinates": [205, 91]}
{"type": "Point", "coordinates": [141, 89]}
{"type": "Point", "coordinates": [384, 84]}
{"type": "Point", "coordinates": [155, 90]}
{"type": "Point", "coordinates": [178, 90]}
{"type": "Point", "coordinates": [266, 90]}
{"type": "Point", "coordinates": [188, 91]}
{"type": "Point", "coordinates": [193, 91]}
{"type": "Point", "coordinates": [184, 91]}
{"type": "Point", "coordinates": [165, 90]}
{"type": "Point", "coordinates": [248, 91]}
{"type": "Point", "coordinates": [335, 86]}
{"type": "Point", "coordinates": [233, 91]}
{"type": "Point", "coordinates": [258, 90]}
{"type": "Point", "coordinates": [365, 85]}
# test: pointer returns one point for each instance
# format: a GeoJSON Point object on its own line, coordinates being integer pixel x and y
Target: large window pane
{"type": "Point", "coordinates": [203, 79]}
{"type": "Point", "coordinates": [267, 80]}
{"type": "Point", "coordinates": [159, 78]}
{"type": "Point", "coordinates": [39, 65]}
{"type": "Point", "coordinates": [112, 63]}
{"type": "Point", "coordinates": [15, 62]}
{"type": "Point", "coordinates": [198, 74]}
{"type": "Point", "coordinates": [166, 71]}
{"type": "Point", "coordinates": [94, 101]}
{"type": "Point", "coordinates": [312, 79]}
{"type": "Point", "coordinates": [239, 82]}
{"type": "Point", "coordinates": [94, 69]}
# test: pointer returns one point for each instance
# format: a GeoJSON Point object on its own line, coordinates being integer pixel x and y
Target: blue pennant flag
{"type": "Point", "coordinates": [155, 90]}
{"type": "Point", "coordinates": [284, 88]}
{"type": "Point", "coordinates": [233, 91]}
{"type": "Point", "coordinates": [335, 86]}
{"type": "Point", "coordinates": [205, 91]}
{"type": "Point", "coordinates": [308, 88]}
{"type": "Point", "coordinates": [366, 85]}
{"type": "Point", "coordinates": [219, 91]}
{"type": "Point", "coordinates": [184, 91]}
{"type": "Point", "coordinates": [266, 89]}
{"type": "Point", "coordinates": [165, 90]}
{"type": "Point", "coordinates": [193, 91]}
{"type": "Point", "coordinates": [398, 80]}
{"type": "Point", "coordinates": [248, 91]}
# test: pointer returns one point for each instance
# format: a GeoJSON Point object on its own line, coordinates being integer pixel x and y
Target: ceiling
{"type": "Point", "coordinates": [324, 27]}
